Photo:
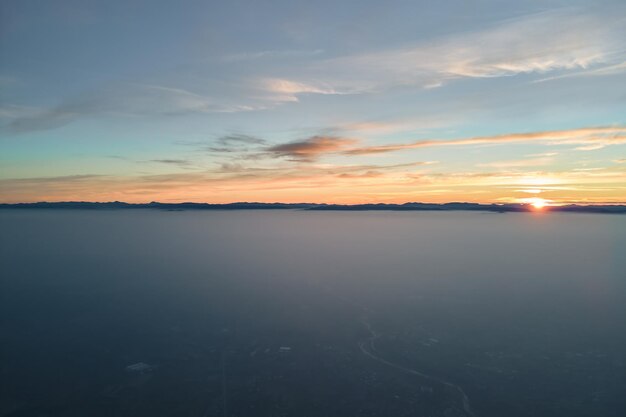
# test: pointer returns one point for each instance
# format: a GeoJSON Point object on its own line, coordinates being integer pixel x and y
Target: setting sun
{"type": "Point", "coordinates": [538, 203]}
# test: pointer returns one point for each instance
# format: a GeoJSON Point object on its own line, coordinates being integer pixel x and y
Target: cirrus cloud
{"type": "Point", "coordinates": [540, 43]}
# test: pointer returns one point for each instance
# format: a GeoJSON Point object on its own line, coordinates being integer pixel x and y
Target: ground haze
{"type": "Point", "coordinates": [304, 313]}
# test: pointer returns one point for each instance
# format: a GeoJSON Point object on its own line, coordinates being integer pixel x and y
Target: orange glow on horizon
{"type": "Point", "coordinates": [312, 185]}
{"type": "Point", "coordinates": [539, 205]}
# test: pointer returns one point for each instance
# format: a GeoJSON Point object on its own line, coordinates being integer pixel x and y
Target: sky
{"type": "Point", "coordinates": [327, 101]}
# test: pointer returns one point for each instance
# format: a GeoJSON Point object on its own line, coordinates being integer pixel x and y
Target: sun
{"type": "Point", "coordinates": [538, 203]}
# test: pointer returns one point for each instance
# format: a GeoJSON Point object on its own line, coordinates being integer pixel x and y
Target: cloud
{"type": "Point", "coordinates": [179, 162]}
{"type": "Point", "coordinates": [234, 143]}
{"type": "Point", "coordinates": [521, 163]}
{"type": "Point", "coordinates": [555, 43]}
{"type": "Point", "coordinates": [46, 180]}
{"type": "Point", "coordinates": [315, 169]}
{"type": "Point", "coordinates": [391, 126]}
{"type": "Point", "coordinates": [239, 138]}
{"type": "Point", "coordinates": [284, 90]}
{"type": "Point", "coordinates": [558, 40]}
{"type": "Point", "coordinates": [544, 154]}
{"type": "Point", "coordinates": [591, 147]}
{"type": "Point", "coordinates": [148, 99]}
{"type": "Point", "coordinates": [591, 138]}
{"type": "Point", "coordinates": [274, 54]}
{"type": "Point", "coordinates": [13, 111]}
{"type": "Point", "coordinates": [367, 174]}
{"type": "Point", "coordinates": [311, 148]}
{"type": "Point", "coordinates": [44, 120]}
{"type": "Point", "coordinates": [129, 99]}
{"type": "Point", "coordinates": [611, 69]}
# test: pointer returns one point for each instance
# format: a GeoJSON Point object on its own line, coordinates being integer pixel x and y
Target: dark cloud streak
{"type": "Point", "coordinates": [309, 149]}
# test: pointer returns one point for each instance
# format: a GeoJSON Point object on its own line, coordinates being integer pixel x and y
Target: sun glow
{"type": "Point", "coordinates": [538, 203]}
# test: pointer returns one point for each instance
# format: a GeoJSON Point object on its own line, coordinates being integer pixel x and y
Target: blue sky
{"type": "Point", "coordinates": [352, 101]}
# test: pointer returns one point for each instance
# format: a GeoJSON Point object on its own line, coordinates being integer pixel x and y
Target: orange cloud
{"type": "Point", "coordinates": [591, 138]}
{"type": "Point", "coordinates": [521, 163]}
{"type": "Point", "coordinates": [310, 148]}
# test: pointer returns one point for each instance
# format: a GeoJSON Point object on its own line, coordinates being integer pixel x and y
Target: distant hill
{"type": "Point", "coordinates": [156, 205]}
{"type": "Point", "coordinates": [454, 206]}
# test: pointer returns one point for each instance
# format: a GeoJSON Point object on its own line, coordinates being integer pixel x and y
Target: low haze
{"type": "Point", "coordinates": [379, 314]}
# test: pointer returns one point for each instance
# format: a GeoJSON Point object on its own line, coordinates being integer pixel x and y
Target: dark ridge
{"type": "Point", "coordinates": [155, 205]}
{"type": "Point", "coordinates": [412, 206]}
{"type": "Point", "coordinates": [427, 207]}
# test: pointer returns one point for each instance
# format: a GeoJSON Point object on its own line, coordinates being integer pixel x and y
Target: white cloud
{"type": "Point", "coordinates": [539, 43]}
{"type": "Point", "coordinates": [288, 90]}
{"type": "Point", "coordinates": [611, 69]}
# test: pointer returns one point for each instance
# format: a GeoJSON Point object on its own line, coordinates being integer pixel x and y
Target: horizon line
{"type": "Point", "coordinates": [614, 208]}
{"type": "Point", "coordinates": [547, 204]}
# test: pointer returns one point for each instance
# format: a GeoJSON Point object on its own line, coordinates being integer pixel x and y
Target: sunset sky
{"type": "Point", "coordinates": [313, 101]}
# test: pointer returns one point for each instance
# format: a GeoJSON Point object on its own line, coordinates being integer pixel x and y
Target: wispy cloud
{"type": "Point", "coordinates": [234, 143]}
{"type": "Point", "coordinates": [366, 174]}
{"type": "Point", "coordinates": [182, 163]}
{"type": "Point", "coordinates": [14, 111]}
{"type": "Point", "coordinates": [163, 100]}
{"type": "Point", "coordinates": [557, 43]}
{"type": "Point", "coordinates": [382, 127]}
{"type": "Point", "coordinates": [518, 163]}
{"type": "Point", "coordinates": [273, 54]}
{"type": "Point", "coordinates": [539, 43]}
{"type": "Point", "coordinates": [121, 100]}
{"type": "Point", "coordinates": [611, 69]}
{"type": "Point", "coordinates": [543, 154]}
{"type": "Point", "coordinates": [288, 90]}
{"type": "Point", "coordinates": [240, 138]}
{"type": "Point", "coordinates": [590, 138]}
